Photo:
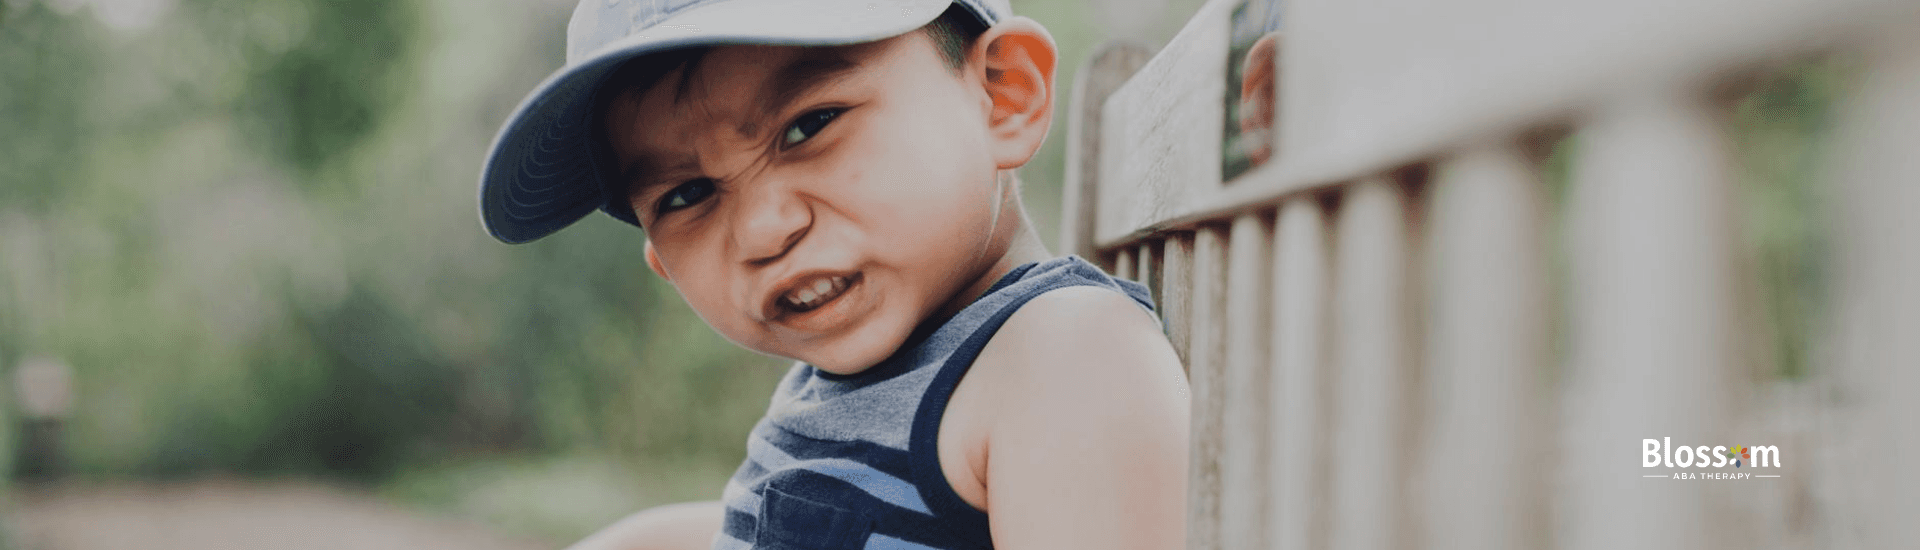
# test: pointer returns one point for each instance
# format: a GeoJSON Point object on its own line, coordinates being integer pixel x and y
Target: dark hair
{"type": "Point", "coordinates": [953, 33]}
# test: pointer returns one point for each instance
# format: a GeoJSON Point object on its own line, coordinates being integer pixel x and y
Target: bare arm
{"type": "Point", "coordinates": [685, 526]}
{"type": "Point", "coordinates": [1089, 447]}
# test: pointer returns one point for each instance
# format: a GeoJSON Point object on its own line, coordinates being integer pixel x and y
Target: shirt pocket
{"type": "Point", "coordinates": [791, 522]}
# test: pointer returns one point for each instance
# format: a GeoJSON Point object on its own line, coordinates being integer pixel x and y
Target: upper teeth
{"type": "Point", "coordinates": [816, 291]}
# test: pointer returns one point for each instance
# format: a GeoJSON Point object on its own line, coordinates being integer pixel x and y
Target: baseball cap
{"type": "Point", "coordinates": [540, 176]}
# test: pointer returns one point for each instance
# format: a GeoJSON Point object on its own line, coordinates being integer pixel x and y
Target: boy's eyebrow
{"type": "Point", "coordinates": [635, 173]}
{"type": "Point", "coordinates": [812, 68]}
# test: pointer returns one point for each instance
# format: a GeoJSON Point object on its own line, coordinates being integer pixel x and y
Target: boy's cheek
{"type": "Point", "coordinates": [924, 180]}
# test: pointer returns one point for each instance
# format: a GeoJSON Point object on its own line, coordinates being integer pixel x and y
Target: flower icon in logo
{"type": "Point", "coordinates": [1739, 453]}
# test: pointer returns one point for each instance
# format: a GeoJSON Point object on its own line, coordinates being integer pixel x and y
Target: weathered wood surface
{"type": "Point", "coordinates": [1302, 319]}
{"type": "Point", "coordinates": [1246, 423]}
{"type": "Point", "coordinates": [1354, 96]}
{"type": "Point", "coordinates": [1353, 103]}
{"type": "Point", "coordinates": [1161, 130]}
{"type": "Point", "coordinates": [1207, 372]}
{"type": "Point", "coordinates": [1652, 329]}
{"type": "Point", "coordinates": [1874, 346]}
{"type": "Point", "coordinates": [1374, 369]}
{"type": "Point", "coordinates": [1147, 264]}
{"type": "Point", "coordinates": [1174, 273]}
{"type": "Point", "coordinates": [1484, 474]}
{"type": "Point", "coordinates": [1369, 321]}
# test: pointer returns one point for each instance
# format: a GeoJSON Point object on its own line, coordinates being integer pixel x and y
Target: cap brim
{"type": "Point", "coordinates": [539, 176]}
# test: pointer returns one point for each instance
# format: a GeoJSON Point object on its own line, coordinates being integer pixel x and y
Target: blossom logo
{"type": "Point", "coordinates": [1739, 454]}
{"type": "Point", "coordinates": [1655, 453]}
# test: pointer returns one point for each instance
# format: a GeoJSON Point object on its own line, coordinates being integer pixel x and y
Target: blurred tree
{"type": "Point", "coordinates": [333, 85]}
{"type": "Point", "coordinates": [250, 230]}
{"type": "Point", "coordinates": [50, 61]}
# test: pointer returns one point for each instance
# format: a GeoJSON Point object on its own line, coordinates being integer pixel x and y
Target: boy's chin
{"type": "Point", "coordinates": [850, 362]}
{"type": "Point", "coordinates": [865, 344]}
{"type": "Point", "coordinates": [854, 355]}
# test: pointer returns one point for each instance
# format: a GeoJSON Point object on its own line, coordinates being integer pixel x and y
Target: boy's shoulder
{"type": "Point", "coordinates": [1075, 335]}
{"type": "Point", "coordinates": [1070, 334]}
{"type": "Point", "coordinates": [1080, 398]}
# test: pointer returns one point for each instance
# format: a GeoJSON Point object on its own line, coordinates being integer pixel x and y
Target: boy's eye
{"type": "Point", "coordinates": [685, 195]}
{"type": "Point", "coordinates": [808, 125]}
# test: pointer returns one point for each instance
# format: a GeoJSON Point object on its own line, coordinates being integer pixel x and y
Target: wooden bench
{"type": "Point", "coordinates": [1399, 337]}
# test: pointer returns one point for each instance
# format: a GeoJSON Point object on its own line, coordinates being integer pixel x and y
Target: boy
{"type": "Point", "coordinates": [832, 181]}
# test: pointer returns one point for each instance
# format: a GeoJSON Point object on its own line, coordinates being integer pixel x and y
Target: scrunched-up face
{"type": "Point", "coordinates": [817, 203]}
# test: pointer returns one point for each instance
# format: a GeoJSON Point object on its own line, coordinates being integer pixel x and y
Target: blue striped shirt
{"type": "Point", "coordinates": [848, 461]}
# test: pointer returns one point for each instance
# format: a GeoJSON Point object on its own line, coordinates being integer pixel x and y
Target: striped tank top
{"type": "Point", "coordinates": [848, 461]}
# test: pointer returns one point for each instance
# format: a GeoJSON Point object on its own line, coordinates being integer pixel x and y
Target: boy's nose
{"type": "Point", "coordinates": [772, 220]}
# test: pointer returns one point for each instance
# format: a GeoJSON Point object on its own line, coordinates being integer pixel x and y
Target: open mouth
{"type": "Point", "coordinates": [813, 292]}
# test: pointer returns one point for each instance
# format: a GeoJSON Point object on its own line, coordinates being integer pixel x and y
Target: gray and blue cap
{"type": "Point", "coordinates": [540, 176]}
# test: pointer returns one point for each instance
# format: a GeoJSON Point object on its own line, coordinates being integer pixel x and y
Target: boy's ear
{"type": "Point", "coordinates": [653, 262]}
{"type": "Point", "coordinates": [1018, 58]}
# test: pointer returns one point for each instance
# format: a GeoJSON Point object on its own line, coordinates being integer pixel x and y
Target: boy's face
{"type": "Point", "coordinates": [815, 203]}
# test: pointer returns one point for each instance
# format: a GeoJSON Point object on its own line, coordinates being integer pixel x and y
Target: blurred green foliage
{"type": "Point", "coordinates": [1780, 127]}
{"type": "Point", "coordinates": [53, 57]}
{"type": "Point", "coordinates": [1777, 128]}
{"type": "Point", "coordinates": [249, 230]}
{"type": "Point", "coordinates": [329, 88]}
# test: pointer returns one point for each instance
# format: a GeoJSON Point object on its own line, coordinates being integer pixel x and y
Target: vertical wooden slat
{"type": "Point", "coordinates": [1876, 339]}
{"type": "Point", "coordinates": [1301, 298]}
{"type": "Point", "coordinates": [1371, 388]}
{"type": "Point", "coordinates": [1110, 66]}
{"type": "Point", "coordinates": [1651, 245]}
{"type": "Point", "coordinates": [1206, 371]}
{"type": "Point", "coordinates": [1482, 475]}
{"type": "Point", "coordinates": [1147, 267]}
{"type": "Point", "coordinates": [1243, 453]}
{"type": "Point", "coordinates": [1176, 292]}
{"type": "Point", "coordinates": [1123, 263]}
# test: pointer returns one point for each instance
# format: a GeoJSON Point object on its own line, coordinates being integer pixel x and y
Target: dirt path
{"type": "Point", "coordinates": [221, 515]}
